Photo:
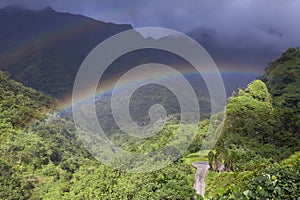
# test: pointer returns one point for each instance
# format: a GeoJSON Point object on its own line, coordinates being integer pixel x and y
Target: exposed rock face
{"type": "Point", "coordinates": [200, 173]}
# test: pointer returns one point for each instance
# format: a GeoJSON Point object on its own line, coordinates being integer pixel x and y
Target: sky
{"type": "Point", "coordinates": [256, 31]}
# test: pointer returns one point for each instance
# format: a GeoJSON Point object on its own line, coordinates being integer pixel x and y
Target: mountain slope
{"type": "Point", "coordinates": [252, 120]}
{"type": "Point", "coordinates": [43, 49]}
{"type": "Point", "coordinates": [283, 80]}
{"type": "Point", "coordinates": [259, 133]}
{"type": "Point", "coordinates": [46, 159]}
{"type": "Point", "coordinates": [18, 104]}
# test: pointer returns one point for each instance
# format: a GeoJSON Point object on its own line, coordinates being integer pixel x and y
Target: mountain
{"type": "Point", "coordinates": [282, 77]}
{"type": "Point", "coordinates": [265, 114]}
{"type": "Point", "coordinates": [261, 135]}
{"type": "Point", "coordinates": [43, 49]}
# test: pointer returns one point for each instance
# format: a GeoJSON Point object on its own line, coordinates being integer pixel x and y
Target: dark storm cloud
{"type": "Point", "coordinates": [249, 28]}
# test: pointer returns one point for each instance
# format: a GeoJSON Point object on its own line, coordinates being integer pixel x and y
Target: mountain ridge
{"type": "Point", "coordinates": [42, 48]}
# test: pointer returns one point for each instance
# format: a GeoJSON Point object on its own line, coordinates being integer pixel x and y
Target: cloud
{"type": "Point", "coordinates": [248, 26]}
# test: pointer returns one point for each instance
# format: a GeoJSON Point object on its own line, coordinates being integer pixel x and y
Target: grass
{"type": "Point", "coordinates": [195, 157]}
{"type": "Point", "coordinates": [217, 183]}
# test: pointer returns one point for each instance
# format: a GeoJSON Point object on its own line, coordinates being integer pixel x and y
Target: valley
{"type": "Point", "coordinates": [42, 155]}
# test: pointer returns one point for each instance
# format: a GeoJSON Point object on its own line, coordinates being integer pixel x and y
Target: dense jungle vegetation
{"type": "Point", "coordinates": [42, 157]}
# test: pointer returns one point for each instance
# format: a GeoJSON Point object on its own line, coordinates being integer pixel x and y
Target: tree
{"type": "Point", "coordinates": [249, 117]}
{"type": "Point", "coordinates": [251, 112]}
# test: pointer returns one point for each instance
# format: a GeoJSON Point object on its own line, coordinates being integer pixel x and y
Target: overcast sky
{"type": "Point", "coordinates": [259, 26]}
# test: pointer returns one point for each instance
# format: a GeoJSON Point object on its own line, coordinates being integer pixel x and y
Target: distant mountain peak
{"type": "Point", "coordinates": [48, 9]}
{"type": "Point", "coordinates": [18, 8]}
{"type": "Point", "coordinates": [10, 8]}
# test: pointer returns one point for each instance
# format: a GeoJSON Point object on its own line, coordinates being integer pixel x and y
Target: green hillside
{"type": "Point", "coordinates": [261, 131]}
{"type": "Point", "coordinates": [282, 78]}
{"type": "Point", "coordinates": [41, 156]}
{"type": "Point", "coordinates": [19, 105]}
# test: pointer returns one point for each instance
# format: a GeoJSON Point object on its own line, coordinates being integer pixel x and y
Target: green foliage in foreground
{"type": "Point", "coordinates": [48, 161]}
{"type": "Point", "coordinates": [45, 159]}
{"type": "Point", "coordinates": [218, 183]}
{"type": "Point", "coordinates": [96, 181]}
{"type": "Point", "coordinates": [274, 182]}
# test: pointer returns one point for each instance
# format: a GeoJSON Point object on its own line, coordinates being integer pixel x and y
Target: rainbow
{"type": "Point", "coordinates": [107, 88]}
{"type": "Point", "coordinates": [77, 28]}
